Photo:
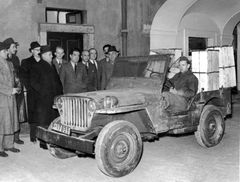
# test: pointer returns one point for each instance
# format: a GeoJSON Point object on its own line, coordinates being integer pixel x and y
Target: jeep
{"type": "Point", "coordinates": [112, 124]}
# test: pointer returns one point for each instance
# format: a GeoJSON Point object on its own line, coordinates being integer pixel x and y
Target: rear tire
{"type": "Point", "coordinates": [118, 148]}
{"type": "Point", "coordinates": [211, 127]}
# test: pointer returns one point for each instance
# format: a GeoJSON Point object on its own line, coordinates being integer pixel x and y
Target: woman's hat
{"type": "Point", "coordinates": [10, 41]}
{"type": "Point", "coordinates": [3, 46]}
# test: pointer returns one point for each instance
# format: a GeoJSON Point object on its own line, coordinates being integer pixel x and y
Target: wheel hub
{"type": "Point", "coordinates": [121, 149]}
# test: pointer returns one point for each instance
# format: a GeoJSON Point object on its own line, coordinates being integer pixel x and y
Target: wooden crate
{"type": "Point", "coordinates": [227, 77]}
{"type": "Point", "coordinates": [205, 61]}
{"type": "Point", "coordinates": [207, 81]}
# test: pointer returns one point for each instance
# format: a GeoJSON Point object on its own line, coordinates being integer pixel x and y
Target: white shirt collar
{"type": "Point", "coordinates": [94, 62]}
{"type": "Point", "coordinates": [73, 64]}
{"type": "Point", "coordinates": [58, 61]}
{"type": "Point", "coordinates": [85, 63]}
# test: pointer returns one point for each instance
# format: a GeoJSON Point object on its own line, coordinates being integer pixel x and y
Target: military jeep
{"type": "Point", "coordinates": [112, 124]}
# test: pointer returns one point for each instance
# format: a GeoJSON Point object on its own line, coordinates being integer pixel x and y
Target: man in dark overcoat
{"type": "Point", "coordinates": [46, 84]}
{"type": "Point", "coordinates": [26, 67]}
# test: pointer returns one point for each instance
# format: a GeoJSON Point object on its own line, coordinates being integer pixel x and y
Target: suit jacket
{"type": "Point", "coordinates": [73, 82]}
{"type": "Point", "coordinates": [58, 66]}
{"type": "Point", "coordinates": [93, 76]}
{"type": "Point", "coordinates": [106, 73]}
{"type": "Point", "coordinates": [8, 107]}
{"type": "Point", "coordinates": [46, 83]}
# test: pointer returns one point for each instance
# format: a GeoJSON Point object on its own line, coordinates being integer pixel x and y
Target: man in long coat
{"type": "Point", "coordinates": [46, 84]}
{"type": "Point", "coordinates": [25, 69]}
{"type": "Point", "coordinates": [12, 57]}
{"type": "Point", "coordinates": [8, 108]}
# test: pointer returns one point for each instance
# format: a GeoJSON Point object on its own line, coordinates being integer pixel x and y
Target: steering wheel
{"type": "Point", "coordinates": [154, 74]}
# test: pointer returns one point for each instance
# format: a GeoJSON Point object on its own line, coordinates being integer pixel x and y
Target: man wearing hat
{"type": "Point", "coordinates": [26, 66]}
{"type": "Point", "coordinates": [12, 57]}
{"type": "Point", "coordinates": [107, 66]}
{"type": "Point", "coordinates": [46, 84]}
{"type": "Point", "coordinates": [180, 89]}
{"type": "Point", "coordinates": [8, 108]}
{"type": "Point", "coordinates": [12, 51]}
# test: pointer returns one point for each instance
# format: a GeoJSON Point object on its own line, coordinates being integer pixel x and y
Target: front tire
{"type": "Point", "coordinates": [118, 148]}
{"type": "Point", "coordinates": [211, 127]}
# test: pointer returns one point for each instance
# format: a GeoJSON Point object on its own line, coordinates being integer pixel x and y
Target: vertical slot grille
{"type": "Point", "coordinates": [75, 112]}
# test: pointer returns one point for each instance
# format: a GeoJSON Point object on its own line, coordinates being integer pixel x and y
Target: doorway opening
{"type": "Point", "coordinates": [67, 41]}
{"type": "Point", "coordinates": [197, 44]}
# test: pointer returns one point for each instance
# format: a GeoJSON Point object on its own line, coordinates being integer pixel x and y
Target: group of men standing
{"type": "Point", "coordinates": [84, 72]}
{"type": "Point", "coordinates": [43, 78]}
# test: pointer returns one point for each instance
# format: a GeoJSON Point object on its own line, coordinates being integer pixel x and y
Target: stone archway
{"type": "Point", "coordinates": [227, 38]}
{"type": "Point", "coordinates": [165, 24]}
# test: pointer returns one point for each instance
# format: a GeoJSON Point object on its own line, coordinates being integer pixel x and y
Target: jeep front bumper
{"type": "Point", "coordinates": [68, 142]}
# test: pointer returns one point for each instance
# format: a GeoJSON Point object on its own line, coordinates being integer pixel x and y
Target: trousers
{"type": "Point", "coordinates": [172, 102]}
{"type": "Point", "coordinates": [6, 141]}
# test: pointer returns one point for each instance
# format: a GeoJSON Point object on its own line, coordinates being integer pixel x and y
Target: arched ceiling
{"type": "Point", "coordinates": [224, 13]}
{"type": "Point", "coordinates": [172, 11]}
{"type": "Point", "coordinates": [220, 11]}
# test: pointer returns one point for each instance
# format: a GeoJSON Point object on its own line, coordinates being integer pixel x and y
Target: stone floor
{"type": "Point", "coordinates": [171, 159]}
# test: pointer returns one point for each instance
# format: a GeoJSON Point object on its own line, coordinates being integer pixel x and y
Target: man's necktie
{"type": "Point", "coordinates": [75, 68]}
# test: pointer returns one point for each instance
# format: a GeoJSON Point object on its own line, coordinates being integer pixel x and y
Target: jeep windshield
{"type": "Point", "coordinates": [139, 71]}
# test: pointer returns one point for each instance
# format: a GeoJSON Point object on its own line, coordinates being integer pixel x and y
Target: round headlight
{"type": "Point", "coordinates": [59, 103]}
{"type": "Point", "coordinates": [92, 105]}
{"type": "Point", "coordinates": [110, 102]}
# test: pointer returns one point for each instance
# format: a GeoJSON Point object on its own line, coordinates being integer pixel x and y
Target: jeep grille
{"type": "Point", "coordinates": [75, 113]}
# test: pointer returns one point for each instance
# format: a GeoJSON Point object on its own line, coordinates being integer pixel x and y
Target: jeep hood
{"type": "Point", "coordinates": [125, 97]}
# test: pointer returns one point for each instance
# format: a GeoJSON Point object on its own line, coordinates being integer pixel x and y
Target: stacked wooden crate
{"type": "Point", "coordinates": [227, 70]}
{"type": "Point", "coordinates": [205, 65]}
{"type": "Point", "coordinates": [214, 68]}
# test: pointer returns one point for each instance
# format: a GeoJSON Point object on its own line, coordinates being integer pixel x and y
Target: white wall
{"type": "Point", "coordinates": [197, 25]}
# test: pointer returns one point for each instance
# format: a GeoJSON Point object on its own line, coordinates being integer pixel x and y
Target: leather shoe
{"type": "Point", "coordinates": [19, 142]}
{"type": "Point", "coordinates": [43, 146]}
{"type": "Point", "coordinates": [15, 150]}
{"type": "Point", "coordinates": [3, 154]}
{"type": "Point", "coordinates": [34, 140]}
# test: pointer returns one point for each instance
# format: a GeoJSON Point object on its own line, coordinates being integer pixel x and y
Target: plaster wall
{"type": "Point", "coordinates": [19, 19]}
{"type": "Point", "coordinates": [197, 25]}
{"type": "Point", "coordinates": [105, 15]}
{"type": "Point", "coordinates": [140, 17]}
